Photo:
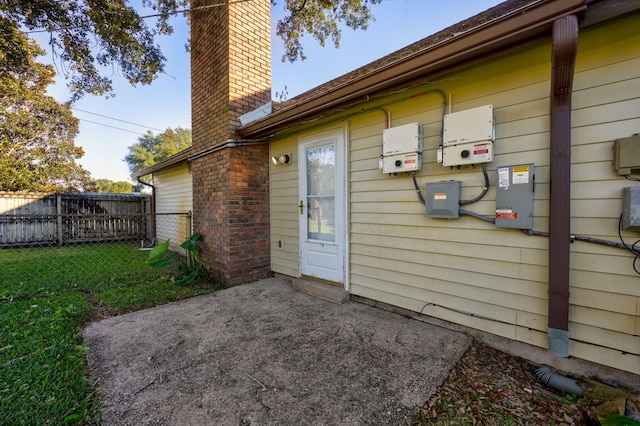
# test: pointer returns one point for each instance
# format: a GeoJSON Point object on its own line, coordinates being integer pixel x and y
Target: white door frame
{"type": "Point", "coordinates": [320, 258]}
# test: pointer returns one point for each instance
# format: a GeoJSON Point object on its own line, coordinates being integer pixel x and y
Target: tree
{"type": "Point", "coordinates": [89, 35]}
{"type": "Point", "coordinates": [151, 149]}
{"type": "Point", "coordinates": [106, 185]}
{"type": "Point", "coordinates": [320, 19]}
{"type": "Point", "coordinates": [37, 151]}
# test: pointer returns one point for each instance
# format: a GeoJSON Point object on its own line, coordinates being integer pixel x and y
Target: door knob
{"type": "Point", "coordinates": [301, 207]}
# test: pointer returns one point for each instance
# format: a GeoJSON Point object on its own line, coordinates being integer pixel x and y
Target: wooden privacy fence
{"type": "Point", "coordinates": [44, 219]}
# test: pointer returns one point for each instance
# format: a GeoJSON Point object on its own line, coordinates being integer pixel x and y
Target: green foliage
{"type": "Point", "coordinates": [89, 38]}
{"type": "Point", "coordinates": [46, 295]}
{"type": "Point", "coordinates": [151, 149]}
{"type": "Point", "coordinates": [155, 259]}
{"type": "Point", "coordinates": [320, 19]}
{"type": "Point", "coordinates": [37, 151]}
{"type": "Point", "coordinates": [160, 257]}
{"type": "Point", "coordinates": [87, 35]}
{"type": "Point", "coordinates": [618, 420]}
{"type": "Point", "coordinates": [106, 185]}
{"type": "Point", "coordinates": [191, 244]}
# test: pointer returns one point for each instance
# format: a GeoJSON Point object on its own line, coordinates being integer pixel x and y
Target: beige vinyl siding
{"type": "Point", "coordinates": [468, 271]}
{"type": "Point", "coordinates": [605, 291]}
{"type": "Point", "coordinates": [284, 209]}
{"type": "Point", "coordinates": [463, 270]}
{"type": "Point", "coordinates": [173, 194]}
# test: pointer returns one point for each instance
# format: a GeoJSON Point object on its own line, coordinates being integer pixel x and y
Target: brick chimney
{"type": "Point", "coordinates": [230, 76]}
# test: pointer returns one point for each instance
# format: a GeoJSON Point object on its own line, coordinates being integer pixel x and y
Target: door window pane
{"type": "Point", "coordinates": [321, 211]}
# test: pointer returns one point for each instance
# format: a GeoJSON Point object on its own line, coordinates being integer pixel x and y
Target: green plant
{"type": "Point", "coordinates": [189, 270]}
{"type": "Point", "coordinates": [47, 295]}
{"type": "Point", "coordinates": [613, 419]}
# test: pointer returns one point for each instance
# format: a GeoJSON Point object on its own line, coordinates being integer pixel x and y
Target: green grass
{"type": "Point", "coordinates": [46, 295]}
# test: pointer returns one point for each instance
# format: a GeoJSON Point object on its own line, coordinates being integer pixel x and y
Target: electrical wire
{"type": "Point", "coordinates": [459, 312]}
{"type": "Point", "coordinates": [632, 248]}
{"type": "Point", "coordinates": [116, 119]}
{"type": "Point", "coordinates": [112, 127]}
{"type": "Point", "coordinates": [598, 241]}
{"type": "Point", "coordinates": [533, 232]}
{"type": "Point", "coordinates": [415, 184]}
{"type": "Point", "coordinates": [477, 216]}
{"type": "Point", "coordinates": [485, 188]}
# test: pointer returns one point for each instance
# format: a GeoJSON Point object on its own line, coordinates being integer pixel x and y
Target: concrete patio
{"type": "Point", "coordinates": [266, 354]}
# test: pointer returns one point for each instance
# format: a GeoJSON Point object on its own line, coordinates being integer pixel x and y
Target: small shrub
{"type": "Point", "coordinates": [160, 257]}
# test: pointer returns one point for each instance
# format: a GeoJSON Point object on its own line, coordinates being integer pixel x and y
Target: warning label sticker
{"type": "Point", "coordinates": [481, 151]}
{"type": "Point", "coordinates": [520, 175]}
{"type": "Point", "coordinates": [503, 177]}
{"type": "Point", "coordinates": [440, 196]}
{"type": "Point", "coordinates": [506, 213]}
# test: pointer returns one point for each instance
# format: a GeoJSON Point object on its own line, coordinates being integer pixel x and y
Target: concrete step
{"type": "Point", "coordinates": [319, 289]}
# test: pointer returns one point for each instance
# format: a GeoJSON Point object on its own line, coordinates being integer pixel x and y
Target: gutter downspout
{"type": "Point", "coordinates": [563, 57]}
{"type": "Point", "coordinates": [152, 206]}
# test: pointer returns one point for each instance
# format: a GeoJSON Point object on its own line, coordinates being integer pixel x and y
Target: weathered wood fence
{"type": "Point", "coordinates": [45, 219]}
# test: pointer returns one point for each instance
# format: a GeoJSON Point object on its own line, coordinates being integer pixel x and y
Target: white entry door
{"type": "Point", "coordinates": [322, 206]}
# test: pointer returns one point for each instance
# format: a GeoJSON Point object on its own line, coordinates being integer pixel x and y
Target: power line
{"type": "Point", "coordinates": [117, 119]}
{"type": "Point", "coordinates": [113, 127]}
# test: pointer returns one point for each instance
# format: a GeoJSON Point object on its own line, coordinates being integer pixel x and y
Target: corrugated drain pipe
{"type": "Point", "coordinates": [563, 57]}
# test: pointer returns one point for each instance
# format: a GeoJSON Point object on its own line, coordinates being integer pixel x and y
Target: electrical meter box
{"type": "Point", "coordinates": [468, 137]}
{"type": "Point", "coordinates": [514, 196]}
{"type": "Point", "coordinates": [443, 199]}
{"type": "Point", "coordinates": [402, 148]}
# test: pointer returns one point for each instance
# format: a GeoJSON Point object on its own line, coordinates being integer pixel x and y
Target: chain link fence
{"type": "Point", "coordinates": [89, 242]}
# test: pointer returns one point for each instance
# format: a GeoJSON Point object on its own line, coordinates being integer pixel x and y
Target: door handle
{"type": "Point", "coordinates": [301, 207]}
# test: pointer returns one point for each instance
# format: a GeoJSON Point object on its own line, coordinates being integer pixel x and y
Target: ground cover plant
{"type": "Point", "coordinates": [46, 295]}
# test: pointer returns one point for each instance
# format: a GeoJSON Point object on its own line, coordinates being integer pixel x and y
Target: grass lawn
{"type": "Point", "coordinates": [46, 295]}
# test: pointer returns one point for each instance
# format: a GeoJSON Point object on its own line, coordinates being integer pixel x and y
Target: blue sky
{"type": "Point", "coordinates": [166, 103]}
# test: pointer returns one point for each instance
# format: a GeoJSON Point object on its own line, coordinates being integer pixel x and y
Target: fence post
{"type": "Point", "coordinates": [59, 217]}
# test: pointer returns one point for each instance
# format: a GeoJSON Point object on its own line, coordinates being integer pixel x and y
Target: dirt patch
{"type": "Point", "coordinates": [265, 354]}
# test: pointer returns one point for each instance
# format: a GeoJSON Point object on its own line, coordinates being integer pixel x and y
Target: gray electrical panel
{"type": "Point", "coordinates": [514, 196]}
{"type": "Point", "coordinates": [443, 199]}
{"type": "Point", "coordinates": [631, 208]}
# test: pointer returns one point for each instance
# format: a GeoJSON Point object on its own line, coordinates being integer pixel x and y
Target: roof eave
{"type": "Point", "coordinates": [175, 159]}
{"type": "Point", "coordinates": [513, 27]}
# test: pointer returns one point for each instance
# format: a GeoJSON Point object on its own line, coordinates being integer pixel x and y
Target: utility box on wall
{"type": "Point", "coordinates": [443, 199]}
{"type": "Point", "coordinates": [626, 155]}
{"type": "Point", "coordinates": [468, 137]}
{"type": "Point", "coordinates": [631, 208]}
{"type": "Point", "coordinates": [514, 196]}
{"type": "Point", "coordinates": [401, 149]}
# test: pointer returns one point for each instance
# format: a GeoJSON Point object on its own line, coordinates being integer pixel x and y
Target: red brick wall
{"type": "Point", "coordinates": [230, 76]}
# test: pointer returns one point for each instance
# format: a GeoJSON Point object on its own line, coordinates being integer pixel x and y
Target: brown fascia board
{"type": "Point", "coordinates": [601, 11]}
{"type": "Point", "coordinates": [175, 159]}
{"type": "Point", "coordinates": [518, 23]}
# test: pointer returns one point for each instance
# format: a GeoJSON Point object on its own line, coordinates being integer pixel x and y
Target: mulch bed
{"type": "Point", "coordinates": [490, 387]}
